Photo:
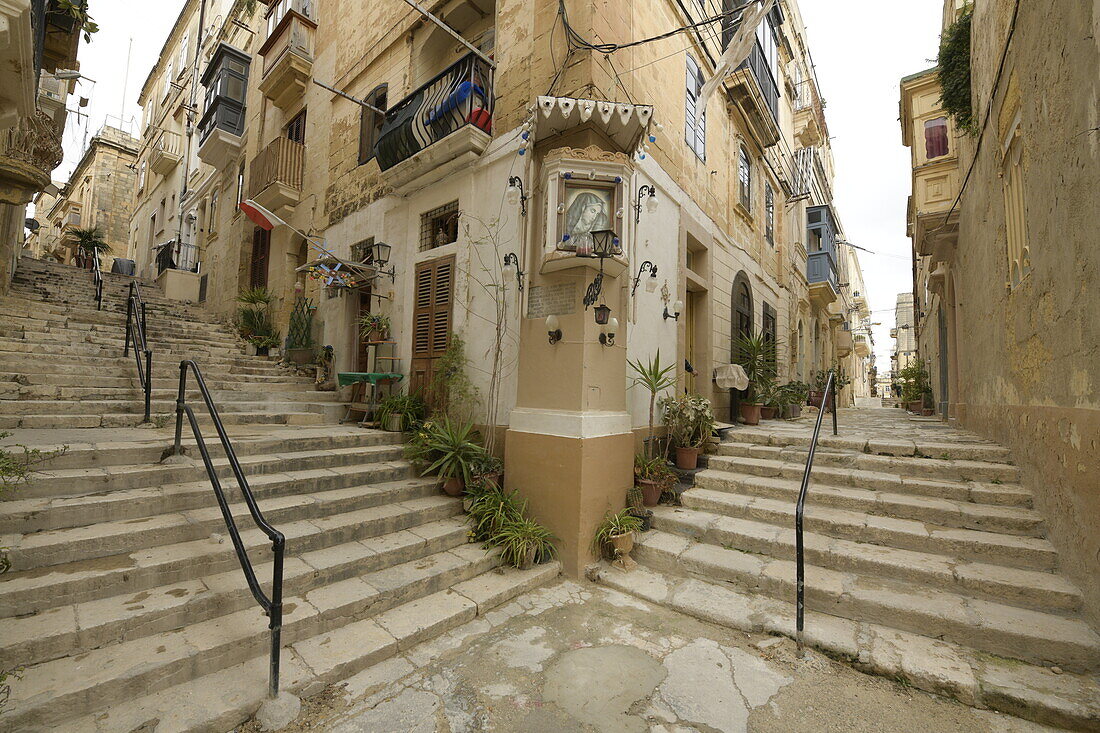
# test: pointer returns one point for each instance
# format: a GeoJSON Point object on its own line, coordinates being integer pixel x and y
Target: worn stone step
{"type": "Point", "coordinates": [968, 448]}
{"type": "Point", "coordinates": [244, 393]}
{"type": "Point", "coordinates": [1020, 633]}
{"type": "Point", "coordinates": [91, 579]}
{"type": "Point", "coordinates": [160, 381]}
{"type": "Point", "coordinates": [129, 420]}
{"type": "Point", "coordinates": [130, 495]}
{"type": "Point", "coordinates": [979, 490]}
{"type": "Point", "coordinates": [992, 547]}
{"type": "Point", "coordinates": [1016, 586]}
{"type": "Point", "coordinates": [79, 628]}
{"type": "Point", "coordinates": [942, 512]}
{"type": "Point", "coordinates": [313, 500]}
{"type": "Point", "coordinates": [943, 668]}
{"type": "Point", "coordinates": [225, 699]}
{"type": "Point", "coordinates": [235, 403]}
{"type": "Point", "coordinates": [63, 688]}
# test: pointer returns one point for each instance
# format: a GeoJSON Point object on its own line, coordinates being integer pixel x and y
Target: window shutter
{"type": "Point", "coordinates": [261, 242]}
{"type": "Point", "coordinates": [434, 295]}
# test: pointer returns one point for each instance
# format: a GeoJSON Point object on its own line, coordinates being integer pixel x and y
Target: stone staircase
{"type": "Point", "coordinates": [126, 605]}
{"type": "Point", "coordinates": [924, 562]}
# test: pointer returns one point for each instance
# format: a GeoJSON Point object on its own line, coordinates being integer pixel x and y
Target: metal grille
{"type": "Point", "coordinates": [439, 227]}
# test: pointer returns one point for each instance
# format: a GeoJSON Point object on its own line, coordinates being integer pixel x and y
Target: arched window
{"type": "Point", "coordinates": [742, 306]}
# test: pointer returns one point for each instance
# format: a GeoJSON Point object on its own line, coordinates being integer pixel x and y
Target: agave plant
{"type": "Point", "coordinates": [655, 379]}
{"type": "Point", "coordinates": [455, 449]}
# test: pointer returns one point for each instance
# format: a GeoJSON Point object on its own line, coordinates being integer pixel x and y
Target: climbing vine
{"type": "Point", "coordinates": [954, 72]}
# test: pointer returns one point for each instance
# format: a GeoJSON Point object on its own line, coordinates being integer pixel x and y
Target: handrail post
{"type": "Point", "coordinates": [144, 329]}
{"type": "Point", "coordinates": [834, 410]}
{"type": "Point", "coordinates": [129, 315]}
{"type": "Point", "coordinates": [276, 614]}
{"type": "Point", "coordinates": [148, 383]}
{"type": "Point", "coordinates": [180, 399]}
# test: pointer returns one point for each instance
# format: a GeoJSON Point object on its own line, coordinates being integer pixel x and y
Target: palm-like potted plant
{"type": "Point", "coordinates": [524, 542]}
{"type": "Point", "coordinates": [654, 379]}
{"type": "Point", "coordinates": [374, 327]}
{"type": "Point", "coordinates": [614, 538]}
{"type": "Point", "coordinates": [455, 451]}
{"type": "Point", "coordinates": [89, 242]}
{"type": "Point", "coordinates": [690, 422]}
{"type": "Point", "coordinates": [254, 320]}
{"type": "Point", "coordinates": [756, 355]}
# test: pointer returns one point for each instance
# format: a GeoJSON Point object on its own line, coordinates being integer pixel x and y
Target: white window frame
{"type": "Point", "coordinates": [695, 131]}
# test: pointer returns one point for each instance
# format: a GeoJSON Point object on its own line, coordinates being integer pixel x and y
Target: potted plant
{"type": "Point", "coordinates": [653, 477]}
{"type": "Point", "coordinates": [398, 413]}
{"type": "Point", "coordinates": [374, 327]}
{"type": "Point", "coordinates": [488, 469]}
{"type": "Point", "coordinates": [756, 354]}
{"type": "Point", "coordinates": [690, 424]}
{"type": "Point", "coordinates": [654, 379]}
{"type": "Point", "coordinates": [254, 320]}
{"type": "Point", "coordinates": [454, 450]}
{"type": "Point", "coordinates": [794, 396]}
{"type": "Point", "coordinates": [490, 508]}
{"type": "Point", "coordinates": [523, 542]}
{"type": "Point", "coordinates": [89, 244]}
{"type": "Point", "coordinates": [914, 383]}
{"type": "Point", "coordinates": [264, 343]}
{"type": "Point", "coordinates": [614, 536]}
{"type": "Point", "coordinates": [770, 400]}
{"type": "Point", "coordinates": [821, 378]}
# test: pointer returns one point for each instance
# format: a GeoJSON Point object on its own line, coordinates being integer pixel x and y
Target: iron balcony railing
{"type": "Point", "coordinates": [828, 397]}
{"type": "Point", "coordinates": [135, 336]}
{"type": "Point", "coordinates": [273, 605]}
{"type": "Point", "coordinates": [764, 77]}
{"type": "Point", "coordinates": [282, 161]}
{"type": "Point", "coordinates": [459, 96]}
{"type": "Point", "coordinates": [177, 256]}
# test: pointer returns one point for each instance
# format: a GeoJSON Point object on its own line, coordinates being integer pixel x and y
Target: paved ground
{"type": "Point", "coordinates": [581, 657]}
{"type": "Point", "coordinates": [871, 423]}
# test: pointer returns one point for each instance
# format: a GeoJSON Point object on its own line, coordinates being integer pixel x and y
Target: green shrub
{"type": "Point", "coordinates": [954, 72]}
{"type": "Point", "coordinates": [613, 524]}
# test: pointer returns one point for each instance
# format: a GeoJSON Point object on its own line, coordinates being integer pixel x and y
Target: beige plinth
{"type": "Point", "coordinates": [179, 285]}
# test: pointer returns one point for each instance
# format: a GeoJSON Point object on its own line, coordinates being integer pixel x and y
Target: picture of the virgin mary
{"type": "Point", "coordinates": [588, 211]}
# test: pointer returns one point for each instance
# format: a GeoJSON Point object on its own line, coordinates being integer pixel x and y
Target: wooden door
{"type": "Point", "coordinates": [261, 249]}
{"type": "Point", "coordinates": [432, 314]}
{"type": "Point", "coordinates": [363, 362]}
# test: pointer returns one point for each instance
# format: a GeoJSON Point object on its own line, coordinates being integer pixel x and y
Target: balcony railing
{"type": "Point", "coordinates": [764, 77]}
{"type": "Point", "coordinates": [460, 96]}
{"type": "Point", "coordinates": [167, 152]}
{"type": "Point", "coordinates": [292, 34]}
{"type": "Point", "coordinates": [280, 167]}
{"type": "Point", "coordinates": [177, 256]}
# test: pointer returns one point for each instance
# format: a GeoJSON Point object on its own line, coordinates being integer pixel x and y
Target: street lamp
{"type": "Point", "coordinates": [651, 202]}
{"type": "Point", "coordinates": [651, 283]}
{"type": "Point", "coordinates": [511, 268]}
{"type": "Point", "coordinates": [677, 307]}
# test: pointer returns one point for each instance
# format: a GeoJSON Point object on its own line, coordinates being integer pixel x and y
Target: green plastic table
{"type": "Point", "coordinates": [359, 379]}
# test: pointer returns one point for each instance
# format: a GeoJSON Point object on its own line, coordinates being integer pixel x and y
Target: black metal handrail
{"type": "Point", "coordinates": [828, 397]}
{"type": "Point", "coordinates": [272, 606]}
{"type": "Point", "coordinates": [97, 277]}
{"type": "Point", "coordinates": [135, 334]}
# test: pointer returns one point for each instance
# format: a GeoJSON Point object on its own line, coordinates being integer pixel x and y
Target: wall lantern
{"type": "Point", "coordinates": [607, 334]}
{"type": "Point", "coordinates": [511, 268]}
{"type": "Point", "coordinates": [553, 329]}
{"type": "Point", "coordinates": [677, 307]}
{"type": "Point", "coordinates": [651, 283]}
{"type": "Point", "coordinates": [602, 314]}
{"type": "Point", "coordinates": [649, 193]}
{"type": "Point", "coordinates": [515, 194]}
{"type": "Point", "coordinates": [605, 243]}
{"type": "Point", "coordinates": [380, 255]}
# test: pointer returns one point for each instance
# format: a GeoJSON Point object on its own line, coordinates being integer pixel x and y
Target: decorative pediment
{"type": "Point", "coordinates": [624, 124]}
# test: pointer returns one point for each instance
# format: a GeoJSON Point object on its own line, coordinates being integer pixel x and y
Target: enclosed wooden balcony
{"type": "Point", "coordinates": [444, 125]}
{"type": "Point", "coordinates": [862, 345]}
{"type": "Point", "coordinates": [756, 92]}
{"type": "Point", "coordinates": [275, 177]}
{"type": "Point", "coordinates": [288, 52]}
{"type": "Point", "coordinates": [166, 153]}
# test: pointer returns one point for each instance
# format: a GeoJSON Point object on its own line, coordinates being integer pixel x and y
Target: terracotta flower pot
{"type": "Point", "coordinates": [767, 413]}
{"type": "Point", "coordinates": [687, 459]}
{"type": "Point", "coordinates": [623, 543]}
{"type": "Point", "coordinates": [453, 486]}
{"type": "Point", "coordinates": [750, 413]}
{"type": "Point", "coordinates": [928, 412]}
{"type": "Point", "coordinates": [651, 492]}
{"type": "Point", "coordinates": [915, 406]}
{"type": "Point", "coordinates": [815, 399]}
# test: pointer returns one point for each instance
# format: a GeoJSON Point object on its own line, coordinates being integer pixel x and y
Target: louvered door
{"type": "Point", "coordinates": [261, 247]}
{"type": "Point", "coordinates": [432, 311]}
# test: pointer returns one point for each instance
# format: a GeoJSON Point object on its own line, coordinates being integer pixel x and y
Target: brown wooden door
{"type": "Point", "coordinates": [261, 249]}
{"type": "Point", "coordinates": [432, 312]}
{"type": "Point", "coordinates": [364, 352]}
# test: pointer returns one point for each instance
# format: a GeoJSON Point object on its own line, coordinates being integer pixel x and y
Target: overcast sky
{"type": "Point", "coordinates": [861, 48]}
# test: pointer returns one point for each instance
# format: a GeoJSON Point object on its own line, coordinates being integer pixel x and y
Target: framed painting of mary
{"type": "Point", "coordinates": [585, 207]}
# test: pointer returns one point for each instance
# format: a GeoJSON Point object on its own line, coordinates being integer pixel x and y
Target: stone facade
{"type": "Point", "coordinates": [1007, 303]}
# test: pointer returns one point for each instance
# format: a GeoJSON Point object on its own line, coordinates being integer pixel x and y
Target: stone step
{"type": "Point", "coordinates": [113, 359]}
{"type": "Point", "coordinates": [1025, 552]}
{"type": "Point", "coordinates": [167, 392]}
{"type": "Point", "coordinates": [1015, 586]}
{"type": "Point", "coordinates": [979, 490]}
{"type": "Point", "coordinates": [93, 579]}
{"type": "Point", "coordinates": [926, 662]}
{"type": "Point", "coordinates": [94, 347]}
{"type": "Point", "coordinates": [958, 447]}
{"type": "Point", "coordinates": [110, 333]}
{"type": "Point", "coordinates": [942, 512]}
{"type": "Point", "coordinates": [90, 380]}
{"type": "Point", "coordinates": [116, 494]}
{"type": "Point", "coordinates": [235, 403]}
{"type": "Point", "coordinates": [72, 686]}
{"type": "Point", "coordinates": [132, 420]}
{"type": "Point", "coordinates": [79, 628]}
{"type": "Point", "coordinates": [28, 551]}
{"type": "Point", "coordinates": [225, 699]}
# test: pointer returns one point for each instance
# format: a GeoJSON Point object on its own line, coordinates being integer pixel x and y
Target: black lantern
{"type": "Point", "coordinates": [380, 253]}
{"type": "Point", "coordinates": [602, 314]}
{"type": "Point", "coordinates": [605, 243]}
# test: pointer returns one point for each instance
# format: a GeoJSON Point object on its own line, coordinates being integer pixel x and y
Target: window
{"type": "Point", "coordinates": [935, 138]}
{"type": "Point", "coordinates": [769, 214]}
{"type": "Point", "coordinates": [1019, 253]}
{"type": "Point", "coordinates": [141, 176]}
{"type": "Point", "coordinates": [695, 131]}
{"type": "Point", "coordinates": [240, 185]}
{"type": "Point", "coordinates": [168, 80]}
{"type": "Point", "coordinates": [767, 330]}
{"type": "Point", "coordinates": [296, 128]}
{"type": "Point", "coordinates": [181, 62]}
{"type": "Point", "coordinates": [765, 36]}
{"type": "Point", "coordinates": [370, 123]}
{"type": "Point", "coordinates": [261, 249]}
{"type": "Point", "coordinates": [225, 80]}
{"type": "Point", "coordinates": [744, 178]}
{"type": "Point", "coordinates": [152, 229]}
{"type": "Point", "coordinates": [212, 227]}
{"type": "Point", "coordinates": [439, 227]}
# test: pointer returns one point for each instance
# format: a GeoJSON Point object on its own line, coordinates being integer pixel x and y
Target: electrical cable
{"type": "Point", "coordinates": [608, 48]}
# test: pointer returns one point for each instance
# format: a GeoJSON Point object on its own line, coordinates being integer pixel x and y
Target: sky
{"type": "Point", "coordinates": [861, 49]}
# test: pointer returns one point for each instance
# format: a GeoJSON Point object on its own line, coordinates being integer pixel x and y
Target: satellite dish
{"type": "Point", "coordinates": [31, 224]}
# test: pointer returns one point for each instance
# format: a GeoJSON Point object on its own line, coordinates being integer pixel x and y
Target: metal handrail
{"type": "Point", "coordinates": [135, 334]}
{"type": "Point", "coordinates": [800, 507]}
{"type": "Point", "coordinates": [272, 606]}
{"type": "Point", "coordinates": [97, 277]}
